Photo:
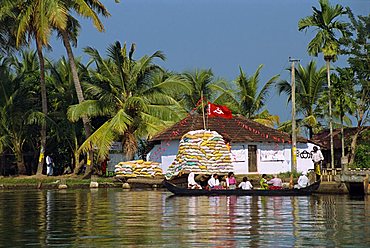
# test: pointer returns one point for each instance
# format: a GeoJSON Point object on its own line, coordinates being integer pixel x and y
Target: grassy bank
{"type": "Point", "coordinates": [44, 182]}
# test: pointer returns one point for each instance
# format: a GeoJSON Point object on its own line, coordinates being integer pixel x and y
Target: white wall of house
{"type": "Point", "coordinates": [271, 157]}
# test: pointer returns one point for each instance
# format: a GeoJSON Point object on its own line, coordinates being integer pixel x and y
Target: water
{"type": "Point", "coordinates": [118, 218]}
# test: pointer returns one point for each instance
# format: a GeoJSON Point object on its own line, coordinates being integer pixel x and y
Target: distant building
{"type": "Point", "coordinates": [255, 148]}
{"type": "Point", "coordinates": [323, 139]}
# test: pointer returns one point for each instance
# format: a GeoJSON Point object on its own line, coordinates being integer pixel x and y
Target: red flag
{"type": "Point", "coordinates": [219, 111]}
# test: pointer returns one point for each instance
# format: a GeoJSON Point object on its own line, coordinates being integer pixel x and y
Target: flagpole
{"type": "Point", "coordinates": [204, 120]}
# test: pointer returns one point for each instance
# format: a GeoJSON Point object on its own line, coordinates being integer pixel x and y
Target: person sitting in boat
{"type": "Point", "coordinates": [231, 181]}
{"type": "Point", "coordinates": [213, 182]}
{"type": "Point", "coordinates": [246, 185]}
{"type": "Point", "coordinates": [263, 182]}
{"type": "Point", "coordinates": [302, 181]}
{"type": "Point", "coordinates": [275, 183]}
{"type": "Point", "coordinates": [192, 184]}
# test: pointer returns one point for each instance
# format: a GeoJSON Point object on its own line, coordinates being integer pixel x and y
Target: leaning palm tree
{"type": "Point", "coordinates": [248, 100]}
{"type": "Point", "coordinates": [64, 94]}
{"type": "Point", "coordinates": [309, 86]}
{"type": "Point", "coordinates": [326, 23]}
{"type": "Point", "coordinates": [133, 97]}
{"type": "Point", "coordinates": [88, 9]}
{"type": "Point", "coordinates": [35, 19]}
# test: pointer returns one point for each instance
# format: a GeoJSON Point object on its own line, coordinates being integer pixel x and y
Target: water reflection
{"type": "Point", "coordinates": [112, 217]}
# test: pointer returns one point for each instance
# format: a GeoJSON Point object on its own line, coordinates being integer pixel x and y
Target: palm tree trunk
{"type": "Point", "coordinates": [330, 114]}
{"type": "Point", "coordinates": [19, 156]}
{"type": "Point", "coordinates": [78, 88]}
{"type": "Point", "coordinates": [44, 106]}
{"type": "Point", "coordinates": [343, 164]}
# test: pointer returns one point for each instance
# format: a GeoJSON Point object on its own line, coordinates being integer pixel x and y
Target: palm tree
{"type": "Point", "coordinates": [201, 84]}
{"type": "Point", "coordinates": [17, 81]}
{"type": "Point", "coordinates": [130, 94]}
{"type": "Point", "coordinates": [86, 9]}
{"type": "Point", "coordinates": [248, 100]}
{"type": "Point", "coordinates": [63, 95]}
{"type": "Point", "coordinates": [325, 22]}
{"type": "Point", "coordinates": [35, 19]}
{"type": "Point", "coordinates": [309, 86]}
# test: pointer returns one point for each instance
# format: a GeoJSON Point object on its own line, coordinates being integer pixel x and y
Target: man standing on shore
{"type": "Point", "coordinates": [317, 159]}
{"type": "Point", "coordinates": [49, 166]}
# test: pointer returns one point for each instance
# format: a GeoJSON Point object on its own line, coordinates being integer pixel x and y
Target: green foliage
{"type": "Point", "coordinates": [288, 173]}
{"type": "Point", "coordinates": [310, 82]}
{"type": "Point", "coordinates": [362, 159]}
{"type": "Point", "coordinates": [249, 99]}
{"type": "Point", "coordinates": [135, 97]}
{"type": "Point", "coordinates": [325, 21]}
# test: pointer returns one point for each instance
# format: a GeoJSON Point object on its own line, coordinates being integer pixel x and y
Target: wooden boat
{"type": "Point", "coordinates": [258, 192]}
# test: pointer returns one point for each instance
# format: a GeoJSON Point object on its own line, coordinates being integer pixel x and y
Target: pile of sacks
{"type": "Point", "coordinates": [201, 152]}
{"type": "Point", "coordinates": [137, 168]}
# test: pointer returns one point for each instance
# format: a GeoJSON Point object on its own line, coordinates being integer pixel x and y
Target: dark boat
{"type": "Point", "coordinates": [259, 192]}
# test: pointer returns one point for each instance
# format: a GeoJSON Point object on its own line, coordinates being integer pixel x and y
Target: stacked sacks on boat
{"type": "Point", "coordinates": [138, 168]}
{"type": "Point", "coordinates": [202, 152]}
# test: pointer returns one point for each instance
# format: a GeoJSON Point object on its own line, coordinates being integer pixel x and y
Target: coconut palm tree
{"type": "Point", "coordinates": [87, 9]}
{"type": "Point", "coordinates": [135, 100]}
{"type": "Point", "coordinates": [309, 86]}
{"type": "Point", "coordinates": [202, 83]}
{"type": "Point", "coordinates": [248, 100]}
{"type": "Point", "coordinates": [325, 21]}
{"type": "Point", "coordinates": [33, 19]}
{"type": "Point", "coordinates": [63, 93]}
{"type": "Point", "coordinates": [17, 82]}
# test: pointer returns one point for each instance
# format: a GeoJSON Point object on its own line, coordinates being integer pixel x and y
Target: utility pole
{"type": "Point", "coordinates": [294, 134]}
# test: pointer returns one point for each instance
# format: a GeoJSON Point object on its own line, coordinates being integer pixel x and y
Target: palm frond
{"type": "Point", "coordinates": [89, 108]}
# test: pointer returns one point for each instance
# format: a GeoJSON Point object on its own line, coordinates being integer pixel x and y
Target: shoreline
{"type": "Point", "coordinates": [46, 183]}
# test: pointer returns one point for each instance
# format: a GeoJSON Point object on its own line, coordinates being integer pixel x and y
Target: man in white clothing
{"type": "Point", "coordinates": [317, 159]}
{"type": "Point", "coordinates": [213, 181]}
{"type": "Point", "coordinates": [49, 166]}
{"type": "Point", "coordinates": [302, 181]}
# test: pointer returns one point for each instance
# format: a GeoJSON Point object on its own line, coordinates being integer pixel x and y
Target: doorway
{"type": "Point", "coordinates": [252, 158]}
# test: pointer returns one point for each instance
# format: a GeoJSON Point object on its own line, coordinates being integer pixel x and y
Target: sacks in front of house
{"type": "Point", "coordinates": [202, 152]}
{"type": "Point", "coordinates": [138, 168]}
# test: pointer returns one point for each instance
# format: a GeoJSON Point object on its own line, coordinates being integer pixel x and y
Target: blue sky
{"type": "Point", "coordinates": [217, 34]}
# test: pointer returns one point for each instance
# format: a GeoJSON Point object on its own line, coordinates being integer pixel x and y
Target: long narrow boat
{"type": "Point", "coordinates": [259, 192]}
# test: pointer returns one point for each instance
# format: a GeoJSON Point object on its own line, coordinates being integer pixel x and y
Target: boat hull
{"type": "Point", "coordinates": [254, 192]}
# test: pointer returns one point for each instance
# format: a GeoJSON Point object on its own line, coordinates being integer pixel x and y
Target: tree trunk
{"type": "Point", "coordinates": [310, 132]}
{"type": "Point", "coordinates": [79, 92]}
{"type": "Point", "coordinates": [353, 146]}
{"type": "Point", "coordinates": [19, 157]}
{"type": "Point", "coordinates": [330, 114]}
{"type": "Point", "coordinates": [44, 106]}
{"type": "Point", "coordinates": [20, 164]}
{"type": "Point", "coordinates": [343, 165]}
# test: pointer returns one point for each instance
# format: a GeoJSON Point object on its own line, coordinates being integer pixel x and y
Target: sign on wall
{"type": "Point", "coordinates": [238, 154]}
{"type": "Point", "coordinates": [272, 155]}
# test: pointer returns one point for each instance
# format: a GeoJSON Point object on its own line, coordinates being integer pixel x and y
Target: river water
{"type": "Point", "coordinates": [118, 218]}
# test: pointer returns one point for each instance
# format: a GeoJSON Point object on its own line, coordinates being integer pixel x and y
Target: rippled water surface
{"type": "Point", "coordinates": [118, 218]}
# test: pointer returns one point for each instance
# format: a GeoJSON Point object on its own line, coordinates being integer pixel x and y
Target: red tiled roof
{"type": "Point", "coordinates": [237, 129]}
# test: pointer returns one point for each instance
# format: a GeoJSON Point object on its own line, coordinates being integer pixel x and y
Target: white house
{"type": "Point", "coordinates": [255, 148]}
